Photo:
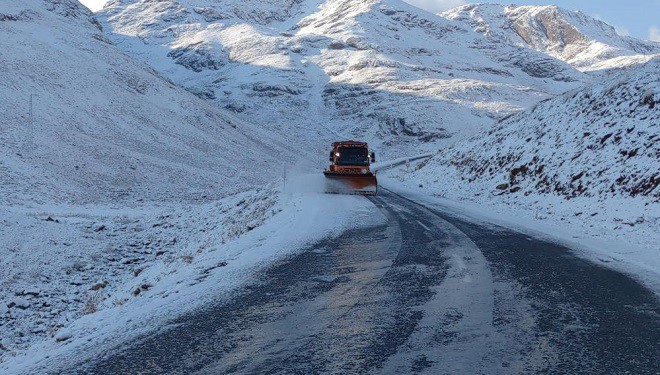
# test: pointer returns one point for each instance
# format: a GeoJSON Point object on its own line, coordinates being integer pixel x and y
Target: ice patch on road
{"type": "Point", "coordinates": [465, 298]}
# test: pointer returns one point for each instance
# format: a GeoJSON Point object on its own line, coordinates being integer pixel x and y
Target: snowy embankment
{"type": "Point", "coordinates": [129, 272]}
{"type": "Point", "coordinates": [582, 166]}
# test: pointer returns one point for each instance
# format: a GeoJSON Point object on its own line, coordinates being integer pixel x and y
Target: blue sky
{"type": "Point", "coordinates": [94, 4]}
{"type": "Point", "coordinates": [638, 18]}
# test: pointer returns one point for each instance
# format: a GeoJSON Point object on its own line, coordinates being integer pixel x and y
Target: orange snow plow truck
{"type": "Point", "coordinates": [349, 171]}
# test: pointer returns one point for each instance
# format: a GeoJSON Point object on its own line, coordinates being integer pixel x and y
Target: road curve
{"type": "Point", "coordinates": [424, 293]}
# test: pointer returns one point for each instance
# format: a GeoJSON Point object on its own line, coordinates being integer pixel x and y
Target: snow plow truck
{"type": "Point", "coordinates": [349, 171]}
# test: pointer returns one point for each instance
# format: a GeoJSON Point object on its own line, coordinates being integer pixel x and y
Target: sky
{"type": "Point", "coordinates": [637, 18]}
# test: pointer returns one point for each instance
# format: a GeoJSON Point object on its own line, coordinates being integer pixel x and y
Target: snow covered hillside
{"type": "Point", "coordinates": [571, 36]}
{"type": "Point", "coordinates": [589, 157]}
{"type": "Point", "coordinates": [117, 180]}
{"type": "Point", "coordinates": [383, 70]}
{"type": "Point", "coordinates": [105, 127]}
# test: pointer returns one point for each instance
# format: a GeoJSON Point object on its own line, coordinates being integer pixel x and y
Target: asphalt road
{"type": "Point", "coordinates": [425, 293]}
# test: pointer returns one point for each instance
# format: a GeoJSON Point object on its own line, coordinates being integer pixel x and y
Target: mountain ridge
{"type": "Point", "coordinates": [572, 36]}
{"type": "Point", "coordinates": [349, 65]}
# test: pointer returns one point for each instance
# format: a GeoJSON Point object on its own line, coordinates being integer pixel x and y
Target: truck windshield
{"type": "Point", "coordinates": [352, 156]}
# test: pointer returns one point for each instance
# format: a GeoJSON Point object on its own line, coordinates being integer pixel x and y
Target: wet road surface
{"type": "Point", "coordinates": [424, 293]}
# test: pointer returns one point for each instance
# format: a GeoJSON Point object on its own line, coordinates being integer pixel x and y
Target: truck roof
{"type": "Point", "coordinates": [349, 144]}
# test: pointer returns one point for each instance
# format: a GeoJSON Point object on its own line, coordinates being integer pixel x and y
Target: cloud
{"type": "Point", "coordinates": [436, 6]}
{"type": "Point", "coordinates": [654, 34]}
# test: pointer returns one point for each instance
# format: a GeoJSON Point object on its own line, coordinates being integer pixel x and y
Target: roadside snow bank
{"type": "Point", "coordinates": [90, 278]}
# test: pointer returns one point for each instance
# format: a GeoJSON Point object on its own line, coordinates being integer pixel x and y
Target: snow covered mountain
{"type": "Point", "coordinates": [590, 155]}
{"type": "Point", "coordinates": [105, 127]}
{"type": "Point", "coordinates": [379, 70]}
{"type": "Point", "coordinates": [580, 40]}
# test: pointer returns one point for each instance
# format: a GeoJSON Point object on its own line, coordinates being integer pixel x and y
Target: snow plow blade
{"type": "Point", "coordinates": [355, 184]}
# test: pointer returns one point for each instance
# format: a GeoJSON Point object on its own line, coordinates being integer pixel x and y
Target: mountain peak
{"type": "Point", "coordinates": [572, 36]}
